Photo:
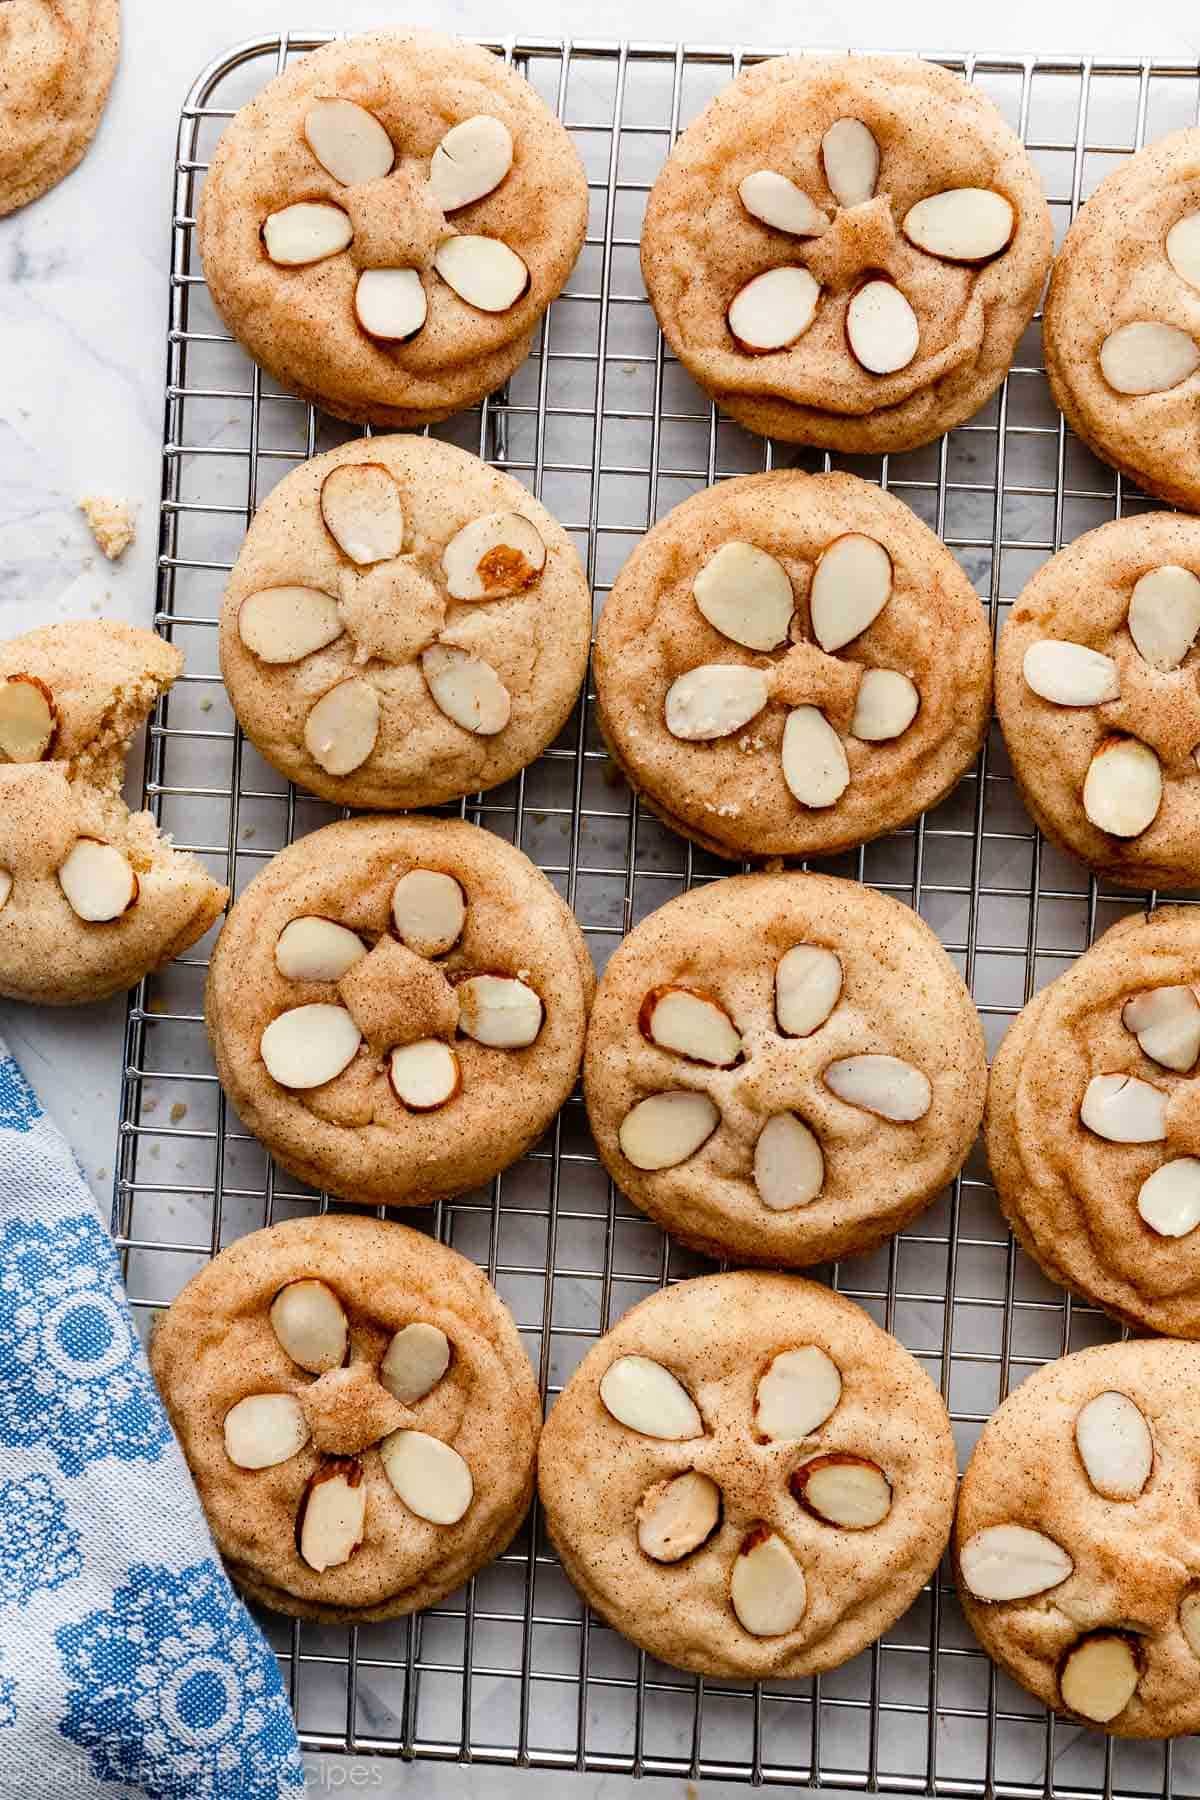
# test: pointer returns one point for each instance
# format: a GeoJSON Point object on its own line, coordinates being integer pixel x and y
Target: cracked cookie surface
{"type": "Point", "coordinates": [871, 341]}
{"type": "Point", "coordinates": [747, 1477]}
{"type": "Point", "coordinates": [426, 1488]}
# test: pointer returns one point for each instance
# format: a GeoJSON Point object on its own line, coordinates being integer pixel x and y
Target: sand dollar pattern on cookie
{"type": "Point", "coordinates": [855, 276]}
{"type": "Point", "coordinates": [1098, 698]}
{"type": "Point", "coordinates": [1072, 1536]}
{"type": "Point", "coordinates": [382, 628]}
{"type": "Point", "coordinates": [771, 671]}
{"type": "Point", "coordinates": [762, 1513]}
{"type": "Point", "coordinates": [1093, 1123]}
{"type": "Point", "coordinates": [397, 1007]}
{"type": "Point", "coordinates": [757, 1078]}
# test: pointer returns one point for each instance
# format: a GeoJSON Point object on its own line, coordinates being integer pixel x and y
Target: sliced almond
{"type": "Point", "coordinates": [1099, 1676]}
{"type": "Point", "coordinates": [1166, 1023]}
{"type": "Point", "coordinates": [309, 1045]}
{"type": "Point", "coordinates": [467, 689]}
{"type": "Point", "coordinates": [264, 1430]}
{"type": "Point", "coordinates": [1183, 248]}
{"type": "Point", "coordinates": [1122, 790]}
{"type": "Point", "coordinates": [885, 707]}
{"type": "Point", "coordinates": [1115, 1446]}
{"type": "Point", "coordinates": [1124, 1110]}
{"type": "Point", "coordinates": [429, 911]}
{"type": "Point", "coordinates": [789, 1169]}
{"type": "Point", "coordinates": [499, 554]}
{"type": "Point", "coordinates": [767, 1590]}
{"type": "Point", "coordinates": [333, 1517]}
{"type": "Point", "coordinates": [800, 1390]}
{"type": "Point", "coordinates": [424, 1075]}
{"type": "Point", "coordinates": [1164, 614]}
{"type": "Point", "coordinates": [500, 1011]}
{"type": "Point", "coordinates": [814, 761]}
{"type": "Point", "coordinates": [1169, 1200]}
{"type": "Point", "coordinates": [391, 304]}
{"type": "Point", "coordinates": [773, 309]}
{"type": "Point", "coordinates": [882, 328]}
{"type": "Point", "coordinates": [808, 985]}
{"type": "Point", "coordinates": [851, 585]}
{"type": "Point", "coordinates": [98, 881]}
{"type": "Point", "coordinates": [310, 1323]}
{"type": "Point", "coordinates": [6, 885]}
{"type": "Point", "coordinates": [664, 1130]}
{"type": "Point", "coordinates": [714, 701]}
{"type": "Point", "coordinates": [341, 730]}
{"type": "Point", "coordinates": [1189, 1620]}
{"type": "Point", "coordinates": [363, 513]}
{"type": "Point", "coordinates": [314, 949]}
{"type": "Point", "coordinates": [851, 159]}
{"type": "Point", "coordinates": [881, 1084]}
{"type": "Point", "coordinates": [675, 1517]}
{"type": "Point", "coordinates": [691, 1024]}
{"type": "Point", "coordinates": [642, 1395]}
{"type": "Point", "coordinates": [1147, 357]}
{"type": "Point", "coordinates": [482, 271]}
{"type": "Point", "coordinates": [430, 1477]}
{"type": "Point", "coordinates": [746, 595]}
{"type": "Point", "coordinates": [306, 233]}
{"type": "Point", "coordinates": [778, 202]}
{"type": "Point", "coordinates": [349, 142]}
{"type": "Point", "coordinates": [414, 1362]}
{"type": "Point", "coordinates": [966, 224]}
{"type": "Point", "coordinates": [472, 159]}
{"type": "Point", "coordinates": [1070, 674]}
{"type": "Point", "coordinates": [28, 719]}
{"type": "Point", "coordinates": [1012, 1562]}
{"type": "Point", "coordinates": [285, 624]}
{"type": "Point", "coordinates": [844, 1490]}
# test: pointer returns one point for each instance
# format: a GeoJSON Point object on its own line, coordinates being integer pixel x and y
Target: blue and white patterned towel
{"type": "Point", "coordinates": [127, 1664]}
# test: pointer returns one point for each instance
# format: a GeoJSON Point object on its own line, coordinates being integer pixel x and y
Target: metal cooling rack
{"type": "Point", "coordinates": [610, 432]}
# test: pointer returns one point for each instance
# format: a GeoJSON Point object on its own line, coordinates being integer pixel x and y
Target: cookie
{"type": "Point", "coordinates": [748, 1477]}
{"type": "Point", "coordinates": [790, 664]}
{"type": "Point", "coordinates": [783, 1068]}
{"type": "Point", "coordinates": [91, 897]}
{"type": "Point", "coordinates": [358, 1412]}
{"type": "Point", "coordinates": [845, 250]}
{"type": "Point", "coordinates": [1075, 1541]}
{"type": "Point", "coordinates": [404, 625]}
{"type": "Point", "coordinates": [1121, 330]}
{"type": "Point", "coordinates": [58, 59]}
{"type": "Point", "coordinates": [1099, 702]}
{"type": "Point", "coordinates": [397, 1007]}
{"type": "Point", "coordinates": [383, 227]}
{"type": "Point", "coordinates": [1093, 1123]}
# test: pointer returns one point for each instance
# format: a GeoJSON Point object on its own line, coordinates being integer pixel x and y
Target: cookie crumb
{"type": "Point", "coordinates": [150, 1105]}
{"type": "Point", "coordinates": [111, 523]}
{"type": "Point", "coordinates": [178, 1111]}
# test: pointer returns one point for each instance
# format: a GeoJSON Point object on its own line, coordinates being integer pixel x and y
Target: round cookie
{"type": "Point", "coordinates": [845, 250]}
{"type": "Point", "coordinates": [358, 1412]}
{"type": "Point", "coordinates": [852, 658]}
{"type": "Point", "coordinates": [783, 1068]}
{"type": "Point", "coordinates": [91, 897]}
{"type": "Point", "coordinates": [403, 625]}
{"type": "Point", "coordinates": [451, 988]}
{"type": "Point", "coordinates": [1121, 330]}
{"type": "Point", "coordinates": [1093, 1123]}
{"type": "Point", "coordinates": [443, 209]}
{"type": "Point", "coordinates": [748, 1477]}
{"type": "Point", "coordinates": [58, 58]}
{"type": "Point", "coordinates": [1099, 702]}
{"type": "Point", "coordinates": [1076, 1537]}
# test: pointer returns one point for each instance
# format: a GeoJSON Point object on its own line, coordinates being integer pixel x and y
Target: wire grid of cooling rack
{"type": "Point", "coordinates": [610, 432]}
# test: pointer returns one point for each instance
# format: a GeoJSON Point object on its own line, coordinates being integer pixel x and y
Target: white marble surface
{"type": "Point", "coordinates": [82, 301]}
